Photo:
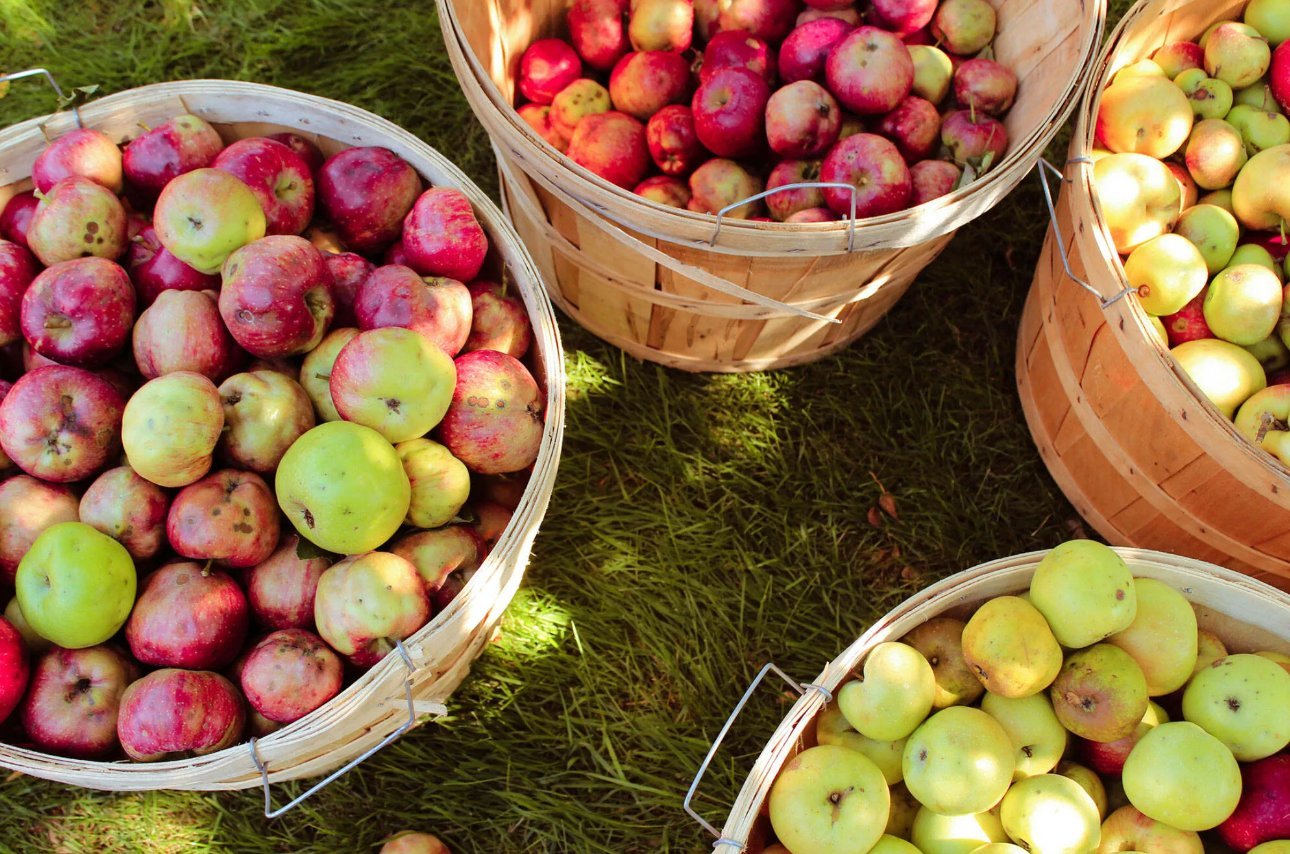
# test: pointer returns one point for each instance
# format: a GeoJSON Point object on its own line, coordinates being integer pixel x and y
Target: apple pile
{"type": "Point", "coordinates": [1087, 714]}
{"type": "Point", "coordinates": [180, 370]}
{"type": "Point", "coordinates": [698, 104]}
{"type": "Point", "coordinates": [1193, 177]}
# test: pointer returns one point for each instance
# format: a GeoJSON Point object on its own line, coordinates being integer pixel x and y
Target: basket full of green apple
{"type": "Point", "coordinates": [280, 406]}
{"type": "Point", "coordinates": [1086, 699]}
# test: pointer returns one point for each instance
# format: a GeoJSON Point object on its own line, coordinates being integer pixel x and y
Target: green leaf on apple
{"type": "Point", "coordinates": [306, 550]}
{"type": "Point", "coordinates": [80, 93]}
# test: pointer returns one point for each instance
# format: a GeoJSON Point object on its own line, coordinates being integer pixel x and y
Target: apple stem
{"type": "Point", "coordinates": [206, 569]}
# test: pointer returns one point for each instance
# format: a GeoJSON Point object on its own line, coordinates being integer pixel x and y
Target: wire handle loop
{"type": "Point", "coordinates": [1045, 166]}
{"type": "Point", "coordinates": [49, 78]}
{"type": "Point", "coordinates": [802, 185]}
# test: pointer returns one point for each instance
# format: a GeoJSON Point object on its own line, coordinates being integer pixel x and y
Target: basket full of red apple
{"type": "Point", "coordinates": [781, 154]}
{"type": "Point", "coordinates": [280, 410]}
{"type": "Point", "coordinates": [1080, 700]}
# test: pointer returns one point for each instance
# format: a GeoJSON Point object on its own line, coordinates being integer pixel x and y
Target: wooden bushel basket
{"type": "Point", "coordinates": [392, 695]}
{"type": "Point", "coordinates": [1125, 433]}
{"type": "Point", "coordinates": [1246, 614]}
{"type": "Point", "coordinates": [681, 289]}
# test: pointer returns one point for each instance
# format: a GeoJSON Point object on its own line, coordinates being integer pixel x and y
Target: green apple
{"type": "Point", "coordinates": [999, 848]}
{"type": "Point", "coordinates": [1209, 648]}
{"type": "Point", "coordinates": [1280, 658]}
{"type": "Point", "coordinates": [1088, 780]}
{"type": "Point", "coordinates": [1128, 829]}
{"type": "Point", "coordinates": [1271, 353]}
{"type": "Point", "coordinates": [934, 833]}
{"type": "Point", "coordinates": [829, 800]}
{"type": "Point", "coordinates": [895, 695]}
{"type": "Point", "coordinates": [903, 809]}
{"type": "Point", "coordinates": [1212, 230]}
{"type": "Point", "coordinates": [1167, 271]}
{"type": "Point", "coordinates": [204, 215]}
{"type": "Point", "coordinates": [75, 585]}
{"type": "Point", "coordinates": [1218, 198]}
{"type": "Point", "coordinates": [1243, 304]}
{"type": "Point", "coordinates": [1215, 154]}
{"type": "Point", "coordinates": [1051, 813]}
{"type": "Point", "coordinates": [1260, 129]}
{"type": "Point", "coordinates": [1210, 98]}
{"type": "Point", "coordinates": [1162, 636]}
{"type": "Point", "coordinates": [1252, 253]}
{"type": "Point", "coordinates": [1243, 700]}
{"type": "Point", "coordinates": [343, 487]}
{"type": "Point", "coordinates": [1139, 198]}
{"type": "Point", "coordinates": [1010, 648]}
{"type": "Point", "coordinates": [1141, 68]}
{"type": "Point", "coordinates": [1182, 776]}
{"type": "Point", "coordinates": [1261, 193]}
{"type": "Point", "coordinates": [440, 482]}
{"type": "Point", "coordinates": [1225, 374]}
{"type": "Point", "coordinates": [959, 761]}
{"type": "Point", "coordinates": [1267, 413]}
{"type": "Point", "coordinates": [933, 72]}
{"type": "Point", "coordinates": [831, 727]}
{"type": "Point", "coordinates": [1276, 846]}
{"type": "Point", "coordinates": [1270, 17]}
{"type": "Point", "coordinates": [1100, 694]}
{"type": "Point", "coordinates": [940, 640]}
{"type": "Point", "coordinates": [1144, 114]}
{"type": "Point", "coordinates": [315, 371]}
{"type": "Point", "coordinates": [1257, 95]}
{"type": "Point", "coordinates": [1237, 54]}
{"type": "Point", "coordinates": [1157, 327]}
{"type": "Point", "coordinates": [888, 844]}
{"type": "Point", "coordinates": [170, 428]}
{"type": "Point", "coordinates": [1038, 738]}
{"type": "Point", "coordinates": [394, 380]}
{"type": "Point", "coordinates": [36, 645]}
{"type": "Point", "coordinates": [1085, 592]}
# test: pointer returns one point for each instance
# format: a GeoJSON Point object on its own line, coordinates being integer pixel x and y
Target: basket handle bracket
{"type": "Point", "coordinates": [53, 83]}
{"type": "Point", "coordinates": [1044, 168]}
{"type": "Point", "coordinates": [801, 185]}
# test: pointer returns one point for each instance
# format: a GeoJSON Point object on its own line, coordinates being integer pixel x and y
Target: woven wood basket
{"type": "Point", "coordinates": [377, 704]}
{"type": "Point", "coordinates": [1246, 614]}
{"type": "Point", "coordinates": [1125, 433]}
{"type": "Point", "coordinates": [681, 289]}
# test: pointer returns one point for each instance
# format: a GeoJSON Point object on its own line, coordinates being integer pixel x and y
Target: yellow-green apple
{"type": "Point", "coordinates": [1271, 353]}
{"type": "Point", "coordinates": [315, 371]}
{"type": "Point", "coordinates": [1261, 815]}
{"type": "Point", "coordinates": [495, 418]}
{"type": "Point", "coordinates": [1157, 328]}
{"type": "Point", "coordinates": [188, 615]}
{"type": "Point", "coordinates": [1144, 115]}
{"type": "Point", "coordinates": [1256, 95]}
{"type": "Point", "coordinates": [985, 86]}
{"type": "Point", "coordinates": [437, 554]}
{"type": "Point", "coordinates": [289, 673]}
{"type": "Point", "coordinates": [963, 26]}
{"type": "Point", "coordinates": [598, 31]}
{"type": "Point", "coordinates": [960, 760]}
{"type": "Point", "coordinates": [940, 640]}
{"type": "Point", "coordinates": [737, 49]}
{"type": "Point", "coordinates": [932, 179]}
{"type": "Point", "coordinates": [1010, 649]}
{"type": "Point", "coordinates": [547, 66]}
{"type": "Point", "coordinates": [28, 506]}
{"type": "Point", "coordinates": [612, 145]}
{"type": "Point", "coordinates": [1162, 636]}
{"type": "Point", "coordinates": [875, 167]}
{"type": "Point", "coordinates": [34, 642]}
{"type": "Point", "coordinates": [75, 695]}
{"type": "Point", "coordinates": [1051, 813]}
{"type": "Point", "coordinates": [129, 509]}
{"type": "Point", "coordinates": [442, 237]}
{"type": "Point", "coordinates": [438, 308]}
{"type": "Point", "coordinates": [174, 713]}
{"type": "Point", "coordinates": [719, 183]}
{"type": "Point", "coordinates": [365, 603]}
{"type": "Point", "coordinates": [1276, 846]}
{"type": "Point", "coordinates": [155, 157]}
{"type": "Point", "coordinates": [1088, 781]}
{"type": "Point", "coordinates": [1037, 735]}
{"type": "Point", "coordinates": [1265, 419]}
{"type": "Point", "coordinates": [308, 150]}
{"type": "Point", "coordinates": [1241, 700]}
{"type": "Point", "coordinates": [829, 800]}
{"type": "Point", "coordinates": [280, 179]}
{"type": "Point", "coordinates": [998, 848]}
{"type": "Point", "coordinates": [1100, 694]}
{"type": "Point", "coordinates": [1257, 196]}
{"type": "Point", "coordinates": [17, 270]}
{"type": "Point", "coordinates": [538, 117]}
{"type": "Point", "coordinates": [1270, 17]}
{"type": "Point", "coordinates": [61, 424]}
{"type": "Point", "coordinates": [1210, 98]}
{"type": "Point", "coordinates": [1237, 54]}
{"type": "Point", "coordinates": [1176, 57]}
{"type": "Point", "coordinates": [80, 152]}
{"type": "Point", "coordinates": [1226, 374]}
{"type": "Point", "coordinates": [276, 299]}
{"type": "Point", "coordinates": [413, 842]}
{"type": "Point", "coordinates": [672, 142]}
{"type": "Point", "coordinates": [803, 120]}
{"type": "Point", "coordinates": [281, 590]}
{"type": "Point", "coordinates": [832, 727]}
{"type": "Point", "coordinates": [895, 695]}
{"type": "Point", "coordinates": [665, 190]}
{"type": "Point", "coordinates": [1243, 304]}
{"type": "Point", "coordinates": [1107, 757]}
{"type": "Point", "coordinates": [870, 71]}
{"type": "Point", "coordinates": [1085, 592]}
{"type": "Point", "coordinates": [914, 126]}
{"type": "Point", "coordinates": [933, 72]}
{"type": "Point", "coordinates": [1209, 648]}
{"type": "Point", "coordinates": [1214, 154]}
{"type": "Point", "coordinates": [228, 516]}
{"type": "Point", "coordinates": [78, 312]}
{"type": "Point", "coordinates": [1182, 776]}
{"type": "Point", "coordinates": [1280, 658]}
{"type": "Point", "coordinates": [170, 428]}
{"type": "Point", "coordinates": [440, 482]}
{"type": "Point", "coordinates": [768, 20]}
{"type": "Point", "coordinates": [934, 833]}
{"type": "Point", "coordinates": [1253, 253]}
{"type": "Point", "coordinates": [343, 487]}
{"type": "Point", "coordinates": [642, 83]}
{"type": "Point", "coordinates": [1127, 829]}
{"type": "Point", "coordinates": [805, 51]}
{"type": "Point", "coordinates": [902, 17]}
{"type": "Point", "coordinates": [75, 585]}
{"type": "Point", "coordinates": [153, 269]}
{"type": "Point", "coordinates": [888, 844]}
{"type": "Point", "coordinates": [204, 215]}
{"type": "Point", "coordinates": [730, 112]}
{"type": "Point", "coordinates": [1260, 129]}
{"type": "Point", "coordinates": [581, 98]}
{"type": "Point", "coordinates": [14, 668]}
{"type": "Point", "coordinates": [183, 331]}
{"type": "Point", "coordinates": [264, 413]}
{"type": "Point", "coordinates": [366, 192]}
{"type": "Point", "coordinates": [499, 320]}
{"type": "Point", "coordinates": [77, 218]}
{"type": "Point", "coordinates": [974, 139]}
{"type": "Point", "coordinates": [395, 381]}
{"type": "Point", "coordinates": [15, 218]}
{"type": "Point", "coordinates": [1212, 230]}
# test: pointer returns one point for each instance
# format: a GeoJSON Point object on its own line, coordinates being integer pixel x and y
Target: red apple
{"type": "Point", "coordinates": [308, 151]}
{"type": "Point", "coordinates": [729, 112]}
{"type": "Point", "coordinates": [661, 24]}
{"type": "Point", "coordinates": [175, 713]}
{"type": "Point", "coordinates": [13, 668]}
{"type": "Point", "coordinates": [229, 516]}
{"type": "Point", "coordinates": [499, 321]}
{"type": "Point", "coordinates": [738, 49]}
{"type": "Point", "coordinates": [672, 142]}
{"type": "Point", "coordinates": [75, 697]}
{"type": "Point", "coordinates": [538, 117]}
{"type": "Point", "coordinates": [182, 331]}
{"type": "Point", "coordinates": [1263, 814]}
{"type": "Point", "coordinates": [366, 192]}
{"type": "Point", "coordinates": [438, 308]}
{"type": "Point", "coordinates": [914, 126]}
{"type": "Point", "coordinates": [188, 616]}
{"type": "Point", "coordinates": [290, 673]}
{"type": "Point", "coordinates": [27, 507]}
{"type": "Point", "coordinates": [129, 509]}
{"type": "Point", "coordinates": [265, 412]}
{"type": "Point", "coordinates": [665, 190]}
{"type": "Point", "coordinates": [504, 489]}
{"type": "Point", "coordinates": [491, 520]}
{"type": "Point", "coordinates": [281, 589]}
{"type": "Point", "coordinates": [876, 168]}
{"type": "Point", "coordinates": [1176, 57]}
{"type": "Point", "coordinates": [813, 215]}
{"type": "Point", "coordinates": [805, 51]}
{"type": "Point", "coordinates": [153, 268]}
{"type": "Point", "coordinates": [768, 20]}
{"type": "Point", "coordinates": [153, 158]}
{"type": "Point", "coordinates": [79, 312]}
{"type": "Point", "coordinates": [1188, 323]}
{"type": "Point", "coordinates": [902, 17]}
{"type": "Point", "coordinates": [81, 152]}
{"type": "Point", "coordinates": [348, 272]}
{"type": "Point", "coordinates": [412, 842]}
{"type": "Point", "coordinates": [439, 553]}
{"type": "Point", "coordinates": [495, 421]}
{"type": "Point", "coordinates": [367, 602]}
{"type": "Point", "coordinates": [77, 218]}
{"type": "Point", "coordinates": [442, 237]}
{"type": "Point", "coordinates": [985, 86]}
{"type": "Point", "coordinates": [452, 586]}
{"type": "Point", "coordinates": [61, 424]}
{"type": "Point", "coordinates": [1278, 76]}
{"type": "Point", "coordinates": [280, 178]}
{"type": "Point", "coordinates": [786, 203]}
{"type": "Point", "coordinates": [870, 71]}
{"type": "Point", "coordinates": [829, 5]}
{"type": "Point", "coordinates": [17, 269]}
{"type": "Point", "coordinates": [612, 145]}
{"type": "Point", "coordinates": [598, 30]}
{"type": "Point", "coordinates": [276, 300]}
{"type": "Point", "coordinates": [642, 83]}
{"type": "Point", "coordinates": [932, 179]}
{"type": "Point", "coordinates": [720, 183]}
{"type": "Point", "coordinates": [803, 120]}
{"type": "Point", "coordinates": [15, 220]}
{"type": "Point", "coordinates": [548, 65]}
{"type": "Point", "coordinates": [974, 140]}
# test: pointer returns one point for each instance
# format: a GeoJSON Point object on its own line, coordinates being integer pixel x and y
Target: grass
{"type": "Point", "coordinates": [701, 526]}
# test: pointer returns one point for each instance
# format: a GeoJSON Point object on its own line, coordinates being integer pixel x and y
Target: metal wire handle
{"type": "Point", "coordinates": [803, 185]}
{"type": "Point", "coordinates": [269, 812]}
{"type": "Point", "coordinates": [769, 667]}
{"type": "Point", "coordinates": [49, 78]}
{"type": "Point", "coordinates": [1045, 166]}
